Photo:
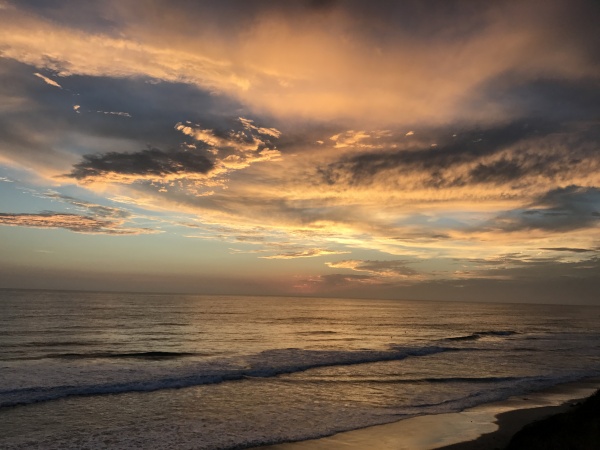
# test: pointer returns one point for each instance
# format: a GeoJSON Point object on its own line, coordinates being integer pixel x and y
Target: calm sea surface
{"type": "Point", "coordinates": [111, 370]}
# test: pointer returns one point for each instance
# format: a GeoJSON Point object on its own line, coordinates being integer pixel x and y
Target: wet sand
{"type": "Point", "coordinates": [485, 427]}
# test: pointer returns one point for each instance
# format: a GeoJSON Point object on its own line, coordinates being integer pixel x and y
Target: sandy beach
{"type": "Point", "coordinates": [485, 427]}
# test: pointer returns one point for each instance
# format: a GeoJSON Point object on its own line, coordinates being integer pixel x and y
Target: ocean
{"type": "Point", "coordinates": [120, 370]}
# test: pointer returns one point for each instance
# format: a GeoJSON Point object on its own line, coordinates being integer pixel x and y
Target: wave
{"type": "Point", "coordinates": [134, 355]}
{"type": "Point", "coordinates": [311, 333]}
{"type": "Point", "coordinates": [153, 355]}
{"type": "Point", "coordinates": [269, 363]}
{"type": "Point", "coordinates": [476, 380]}
{"type": "Point", "coordinates": [481, 334]}
{"type": "Point", "coordinates": [58, 344]}
{"type": "Point", "coordinates": [470, 379]}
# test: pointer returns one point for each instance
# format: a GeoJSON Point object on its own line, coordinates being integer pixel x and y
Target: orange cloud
{"type": "Point", "coordinates": [338, 68]}
{"type": "Point", "coordinates": [47, 80]}
{"type": "Point", "coordinates": [388, 269]}
{"type": "Point", "coordinates": [311, 253]}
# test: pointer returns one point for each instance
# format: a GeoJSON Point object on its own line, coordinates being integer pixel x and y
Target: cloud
{"type": "Point", "coordinates": [337, 280]}
{"type": "Point", "coordinates": [393, 269]}
{"type": "Point", "coordinates": [249, 125]}
{"type": "Point", "coordinates": [350, 138]}
{"type": "Point", "coordinates": [497, 155]}
{"type": "Point", "coordinates": [40, 132]}
{"type": "Point", "coordinates": [193, 166]}
{"type": "Point", "coordinates": [91, 208]}
{"type": "Point", "coordinates": [286, 244]}
{"type": "Point", "coordinates": [342, 55]}
{"type": "Point", "coordinates": [521, 267]}
{"type": "Point", "coordinates": [362, 168]}
{"type": "Point", "coordinates": [151, 163]}
{"type": "Point", "coordinates": [72, 222]}
{"type": "Point", "coordinates": [568, 249]}
{"type": "Point", "coordinates": [310, 253]}
{"type": "Point", "coordinates": [510, 277]}
{"type": "Point", "coordinates": [237, 148]}
{"type": "Point", "coordinates": [558, 210]}
{"type": "Point", "coordinates": [91, 218]}
{"type": "Point", "coordinates": [114, 113]}
{"type": "Point", "coordinates": [47, 80]}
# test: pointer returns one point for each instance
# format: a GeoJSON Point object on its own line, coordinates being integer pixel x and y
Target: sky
{"type": "Point", "coordinates": [435, 149]}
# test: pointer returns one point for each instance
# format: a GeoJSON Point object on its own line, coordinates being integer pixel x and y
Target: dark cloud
{"type": "Point", "coordinates": [563, 209]}
{"type": "Point", "coordinates": [571, 21]}
{"type": "Point", "coordinates": [498, 155]}
{"type": "Point", "coordinates": [154, 108]}
{"type": "Point", "coordinates": [149, 162]}
{"type": "Point", "coordinates": [72, 222]}
{"type": "Point", "coordinates": [551, 98]}
{"type": "Point", "coordinates": [38, 125]}
{"type": "Point", "coordinates": [89, 15]}
{"type": "Point", "coordinates": [542, 268]}
{"type": "Point", "coordinates": [553, 157]}
{"type": "Point", "coordinates": [467, 147]}
{"type": "Point", "coordinates": [536, 281]}
{"type": "Point", "coordinates": [33, 116]}
{"type": "Point", "coordinates": [572, 198]}
{"type": "Point", "coordinates": [508, 259]}
{"type": "Point", "coordinates": [568, 249]}
{"type": "Point", "coordinates": [501, 170]}
{"type": "Point", "coordinates": [541, 281]}
{"type": "Point", "coordinates": [423, 236]}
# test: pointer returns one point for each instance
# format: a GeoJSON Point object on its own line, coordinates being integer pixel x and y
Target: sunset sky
{"type": "Point", "coordinates": [409, 149]}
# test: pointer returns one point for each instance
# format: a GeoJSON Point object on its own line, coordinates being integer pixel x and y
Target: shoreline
{"type": "Point", "coordinates": [483, 427]}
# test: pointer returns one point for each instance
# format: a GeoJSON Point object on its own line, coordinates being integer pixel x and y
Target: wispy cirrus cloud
{"type": "Point", "coordinates": [90, 218]}
{"type": "Point", "coordinates": [72, 222]}
{"type": "Point", "coordinates": [90, 208]}
{"type": "Point", "coordinates": [309, 253]}
{"type": "Point", "coordinates": [392, 268]}
{"type": "Point", "coordinates": [337, 280]}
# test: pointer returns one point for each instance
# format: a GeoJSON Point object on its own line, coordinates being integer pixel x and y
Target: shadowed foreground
{"type": "Point", "coordinates": [578, 429]}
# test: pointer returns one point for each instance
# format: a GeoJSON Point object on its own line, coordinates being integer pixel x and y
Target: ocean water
{"type": "Point", "coordinates": [114, 370]}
